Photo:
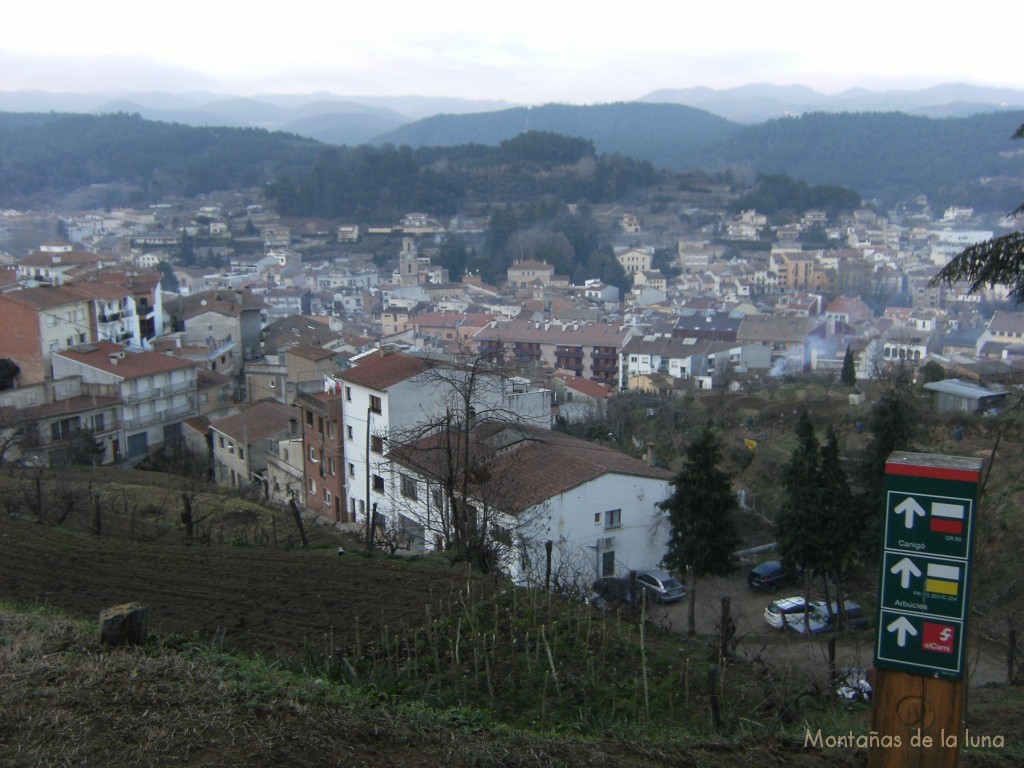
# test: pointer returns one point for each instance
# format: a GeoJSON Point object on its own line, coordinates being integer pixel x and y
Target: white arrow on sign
{"type": "Point", "coordinates": [905, 568]}
{"type": "Point", "coordinates": [902, 627]}
{"type": "Point", "coordinates": [911, 509]}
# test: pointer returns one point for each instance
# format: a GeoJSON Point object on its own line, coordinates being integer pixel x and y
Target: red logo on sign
{"type": "Point", "coordinates": [938, 638]}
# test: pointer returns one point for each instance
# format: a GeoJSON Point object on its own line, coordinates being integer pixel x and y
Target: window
{"type": "Point", "coordinates": [377, 444]}
{"type": "Point", "coordinates": [351, 469]}
{"type": "Point", "coordinates": [612, 519]}
{"type": "Point", "coordinates": [597, 518]}
{"type": "Point", "coordinates": [320, 424]}
{"type": "Point", "coordinates": [348, 394]}
{"type": "Point", "coordinates": [309, 419]}
{"type": "Point", "coordinates": [348, 431]}
{"type": "Point", "coordinates": [331, 463]}
{"type": "Point", "coordinates": [312, 453]}
{"type": "Point", "coordinates": [378, 484]}
{"type": "Point", "coordinates": [327, 496]}
{"type": "Point", "coordinates": [312, 486]}
{"type": "Point", "coordinates": [608, 563]}
{"type": "Point", "coordinates": [222, 441]}
{"type": "Point", "coordinates": [273, 383]}
{"type": "Point", "coordinates": [97, 422]}
{"type": "Point", "coordinates": [241, 453]}
{"type": "Point", "coordinates": [408, 487]}
{"type": "Point", "coordinates": [375, 404]}
{"type": "Point", "coordinates": [330, 429]}
{"type": "Point", "coordinates": [438, 498]}
{"type": "Point", "coordinates": [64, 428]}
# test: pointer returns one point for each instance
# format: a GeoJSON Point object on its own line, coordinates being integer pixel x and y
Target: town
{"type": "Point", "coordinates": [304, 361]}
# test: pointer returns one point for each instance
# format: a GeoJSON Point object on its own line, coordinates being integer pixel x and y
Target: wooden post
{"type": "Point", "coordinates": [97, 515]}
{"type": "Point", "coordinates": [547, 570]}
{"type": "Point", "coordinates": [1011, 652]}
{"type": "Point", "coordinates": [832, 676]}
{"type": "Point", "coordinates": [297, 516]}
{"type": "Point", "coordinates": [927, 719]}
{"type": "Point", "coordinates": [716, 714]}
{"type": "Point", "coordinates": [634, 598]}
{"type": "Point", "coordinates": [725, 630]}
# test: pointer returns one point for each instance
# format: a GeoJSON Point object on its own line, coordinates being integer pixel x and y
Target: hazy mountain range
{"type": "Point", "coordinates": [352, 120]}
{"type": "Point", "coordinates": [884, 153]}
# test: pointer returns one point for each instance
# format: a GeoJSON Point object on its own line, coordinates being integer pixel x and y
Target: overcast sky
{"type": "Point", "coordinates": [530, 51]}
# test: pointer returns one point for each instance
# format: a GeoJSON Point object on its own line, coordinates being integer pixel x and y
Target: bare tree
{"type": "Point", "coordinates": [444, 468]}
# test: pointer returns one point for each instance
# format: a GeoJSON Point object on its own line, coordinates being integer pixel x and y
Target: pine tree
{"type": "Point", "coordinates": [849, 373]}
{"type": "Point", "coordinates": [842, 521]}
{"type": "Point", "coordinates": [701, 512]}
{"type": "Point", "coordinates": [799, 525]}
{"type": "Point", "coordinates": [892, 425]}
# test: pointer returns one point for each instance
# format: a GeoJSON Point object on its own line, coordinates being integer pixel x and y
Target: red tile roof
{"type": "Point", "coordinates": [132, 366]}
{"type": "Point", "coordinates": [383, 369]}
{"type": "Point", "coordinates": [528, 465]}
{"type": "Point", "coordinates": [258, 421]}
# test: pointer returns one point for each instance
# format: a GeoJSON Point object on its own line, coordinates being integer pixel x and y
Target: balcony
{"type": "Point", "coordinates": [155, 393]}
{"type": "Point", "coordinates": [159, 417]}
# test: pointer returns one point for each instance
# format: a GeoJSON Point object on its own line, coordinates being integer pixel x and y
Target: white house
{"type": "Point", "coordinates": [597, 506]}
{"type": "Point", "coordinates": [388, 393]}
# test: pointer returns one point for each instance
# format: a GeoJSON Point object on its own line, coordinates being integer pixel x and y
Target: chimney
{"type": "Point", "coordinates": [649, 456]}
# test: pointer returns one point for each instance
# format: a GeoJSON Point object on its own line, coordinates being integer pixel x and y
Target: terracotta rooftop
{"type": "Point", "coordinates": [258, 421]}
{"type": "Point", "coordinates": [46, 296]}
{"type": "Point", "coordinates": [383, 369]}
{"type": "Point", "coordinates": [530, 465]}
{"type": "Point", "coordinates": [132, 366]}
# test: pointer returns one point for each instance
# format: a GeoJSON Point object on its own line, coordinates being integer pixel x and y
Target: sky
{"type": "Point", "coordinates": [529, 51]}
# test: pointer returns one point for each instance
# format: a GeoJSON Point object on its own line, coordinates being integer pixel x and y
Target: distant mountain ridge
{"type": "Point", "coordinates": [336, 119]}
{"type": "Point", "coordinates": [322, 116]}
{"type": "Point", "coordinates": [757, 103]}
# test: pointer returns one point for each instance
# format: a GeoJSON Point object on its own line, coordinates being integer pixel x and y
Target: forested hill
{"type": "Point", "coordinates": [665, 134]}
{"type": "Point", "coordinates": [886, 156]}
{"type": "Point", "coordinates": [46, 154]}
{"type": "Point", "coordinates": [890, 156]}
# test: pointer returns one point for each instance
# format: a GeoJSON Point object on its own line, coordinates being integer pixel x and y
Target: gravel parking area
{"type": "Point", "coordinates": [756, 639]}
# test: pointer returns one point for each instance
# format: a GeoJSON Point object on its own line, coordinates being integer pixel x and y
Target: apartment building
{"type": "Point", "coordinates": [157, 392]}
{"type": "Point", "coordinates": [589, 350]}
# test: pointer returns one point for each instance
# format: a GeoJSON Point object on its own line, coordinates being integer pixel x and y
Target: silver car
{"type": "Point", "coordinates": [660, 586]}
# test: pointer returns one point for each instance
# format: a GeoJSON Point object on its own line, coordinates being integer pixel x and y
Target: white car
{"type": "Point", "coordinates": [778, 613]}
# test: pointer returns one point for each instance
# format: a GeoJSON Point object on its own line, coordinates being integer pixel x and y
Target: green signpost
{"type": "Point", "coordinates": [923, 594]}
{"type": "Point", "coordinates": [931, 505]}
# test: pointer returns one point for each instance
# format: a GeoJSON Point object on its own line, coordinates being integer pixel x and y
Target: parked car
{"type": "Point", "coordinates": [822, 620]}
{"type": "Point", "coordinates": [609, 592]}
{"type": "Point", "coordinates": [779, 612]}
{"type": "Point", "coordinates": [660, 586]}
{"type": "Point", "coordinates": [769, 576]}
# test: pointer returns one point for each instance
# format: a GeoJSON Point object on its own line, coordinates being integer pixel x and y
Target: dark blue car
{"type": "Point", "coordinates": [769, 576]}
